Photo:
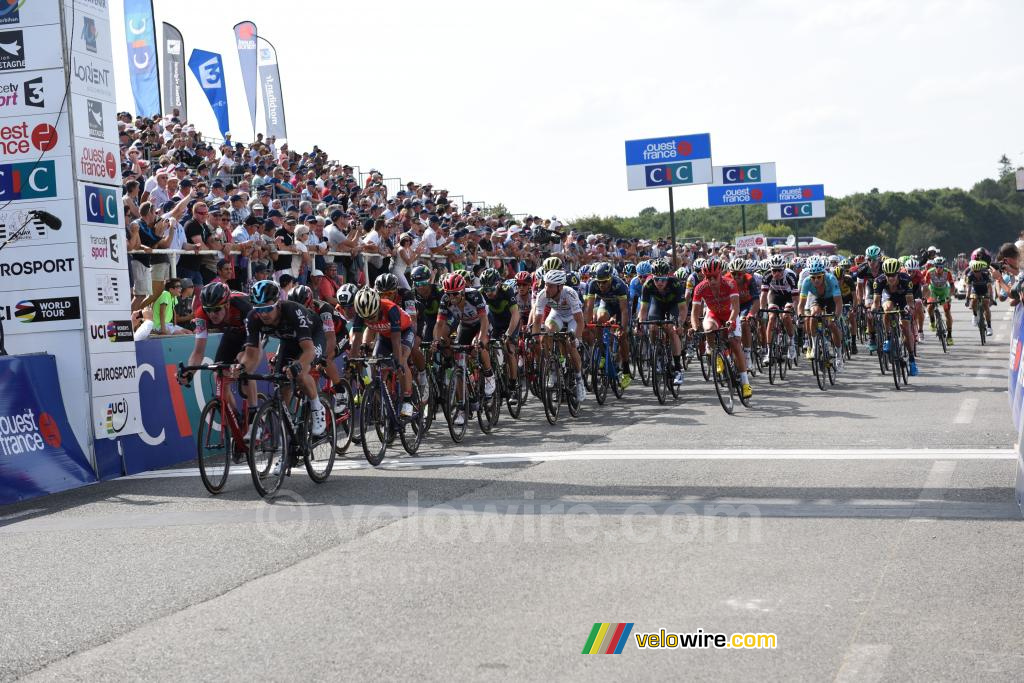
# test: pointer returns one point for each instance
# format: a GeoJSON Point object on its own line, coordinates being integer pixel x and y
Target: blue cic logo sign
{"type": "Point", "coordinates": [741, 174]}
{"type": "Point", "coordinates": [668, 174]}
{"type": "Point", "coordinates": [801, 210]}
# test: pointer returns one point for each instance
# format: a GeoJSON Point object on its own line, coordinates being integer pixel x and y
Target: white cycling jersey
{"type": "Point", "coordinates": [565, 307]}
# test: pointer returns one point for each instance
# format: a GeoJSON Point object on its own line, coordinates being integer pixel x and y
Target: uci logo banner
{"type": "Point", "coordinates": [208, 68]}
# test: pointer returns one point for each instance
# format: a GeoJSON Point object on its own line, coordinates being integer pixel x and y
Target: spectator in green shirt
{"type": "Point", "coordinates": [163, 309]}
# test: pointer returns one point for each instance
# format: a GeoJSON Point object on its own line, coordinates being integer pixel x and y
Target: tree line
{"type": "Point", "coordinates": [955, 220]}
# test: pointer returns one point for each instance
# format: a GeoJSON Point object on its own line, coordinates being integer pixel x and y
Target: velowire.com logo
{"type": "Point", "coordinates": [607, 638]}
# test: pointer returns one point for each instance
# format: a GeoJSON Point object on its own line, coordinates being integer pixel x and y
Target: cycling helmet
{"type": "Point", "coordinates": [737, 265]}
{"type": "Point", "coordinates": [490, 278]}
{"type": "Point", "coordinates": [698, 265]}
{"type": "Point", "coordinates": [978, 266]}
{"type": "Point", "coordinates": [554, 277]}
{"type": "Point", "coordinates": [466, 275]}
{"type": "Point", "coordinates": [912, 264]}
{"type": "Point", "coordinates": [302, 295]}
{"type": "Point", "coordinates": [453, 282]}
{"type": "Point", "coordinates": [420, 275]}
{"type": "Point", "coordinates": [816, 267]}
{"type": "Point", "coordinates": [904, 258]}
{"type": "Point", "coordinates": [891, 266]}
{"type": "Point", "coordinates": [346, 294]}
{"type": "Point", "coordinates": [264, 293]}
{"type": "Point", "coordinates": [524, 278]}
{"type": "Point", "coordinates": [661, 268]}
{"type": "Point", "coordinates": [778, 261]}
{"type": "Point", "coordinates": [981, 254]}
{"type": "Point", "coordinates": [682, 273]}
{"type": "Point", "coordinates": [799, 263]}
{"type": "Point", "coordinates": [844, 263]}
{"type": "Point", "coordinates": [859, 259]}
{"type": "Point", "coordinates": [643, 269]}
{"type": "Point", "coordinates": [603, 272]}
{"type": "Point", "coordinates": [552, 263]}
{"type": "Point", "coordinates": [712, 266]}
{"type": "Point", "coordinates": [834, 260]}
{"type": "Point", "coordinates": [873, 253]}
{"type": "Point", "coordinates": [939, 262]}
{"type": "Point", "coordinates": [629, 270]}
{"type": "Point", "coordinates": [214, 295]}
{"type": "Point", "coordinates": [751, 266]}
{"type": "Point", "coordinates": [386, 282]}
{"type": "Point", "coordinates": [572, 279]}
{"type": "Point", "coordinates": [367, 303]}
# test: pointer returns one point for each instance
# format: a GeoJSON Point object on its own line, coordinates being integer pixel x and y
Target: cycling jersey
{"type": "Point", "coordinates": [390, 318]}
{"type": "Point", "coordinates": [332, 321]}
{"type": "Point", "coordinates": [468, 312]}
{"type": "Point", "coordinates": [717, 300]}
{"type": "Point", "coordinates": [500, 306]}
{"type": "Point", "coordinates": [608, 298]}
{"type": "Point", "coordinates": [847, 285]}
{"type": "Point", "coordinates": [564, 308]}
{"type": "Point", "coordinates": [939, 282]}
{"type": "Point", "coordinates": [898, 293]}
{"type": "Point", "coordinates": [692, 280]}
{"type": "Point", "coordinates": [979, 281]}
{"type": "Point", "coordinates": [238, 309]}
{"type": "Point", "coordinates": [868, 274]}
{"type": "Point", "coordinates": [830, 288]}
{"type": "Point", "coordinates": [295, 322]}
{"type": "Point", "coordinates": [427, 306]}
{"type": "Point", "coordinates": [747, 288]}
{"type": "Point", "coordinates": [780, 287]}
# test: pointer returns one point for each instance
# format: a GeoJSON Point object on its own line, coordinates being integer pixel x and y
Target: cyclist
{"type": "Point", "coordinates": [913, 267]}
{"type": "Point", "coordinates": [524, 297]}
{"type": "Point", "coordinates": [940, 281]}
{"type": "Point", "coordinates": [663, 298]}
{"type": "Point", "coordinates": [503, 316]}
{"type": "Point", "coordinates": [716, 304]}
{"type": "Point", "coordinates": [395, 334]}
{"type": "Point", "coordinates": [636, 285]}
{"type": "Point", "coordinates": [777, 292]}
{"type": "Point", "coordinates": [847, 288]}
{"type": "Point", "coordinates": [820, 292]}
{"type": "Point", "coordinates": [979, 285]}
{"type": "Point", "coordinates": [332, 322]}
{"type": "Point", "coordinates": [465, 310]}
{"type": "Point", "coordinates": [302, 341]}
{"type": "Point", "coordinates": [612, 296]}
{"type": "Point", "coordinates": [894, 289]}
{"type": "Point", "coordinates": [867, 275]}
{"type": "Point", "coordinates": [749, 290]}
{"type": "Point", "coordinates": [566, 315]}
{"type": "Point", "coordinates": [389, 287]}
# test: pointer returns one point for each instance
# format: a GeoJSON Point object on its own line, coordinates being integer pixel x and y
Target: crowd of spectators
{"type": "Point", "coordinates": [243, 212]}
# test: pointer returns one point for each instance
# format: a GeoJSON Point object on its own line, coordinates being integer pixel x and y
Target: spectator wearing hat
{"type": "Point", "coordinates": [239, 211]}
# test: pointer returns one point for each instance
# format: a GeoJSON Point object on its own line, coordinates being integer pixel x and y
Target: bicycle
{"type": "Point", "coordinates": [755, 344]}
{"type": "Point", "coordinates": [823, 361]}
{"type": "Point", "coordinates": [939, 316]}
{"type": "Point", "coordinates": [604, 369]}
{"type": "Point", "coordinates": [662, 379]}
{"type": "Point", "coordinates": [639, 352]}
{"type": "Point", "coordinates": [979, 314]}
{"type": "Point", "coordinates": [221, 436]}
{"type": "Point", "coordinates": [380, 416]}
{"type": "Point", "coordinates": [778, 351]}
{"type": "Point", "coordinates": [723, 370]}
{"type": "Point", "coordinates": [558, 378]}
{"type": "Point", "coordinates": [278, 436]}
{"type": "Point", "coordinates": [898, 355]}
{"type": "Point", "coordinates": [513, 400]}
{"type": "Point", "coordinates": [465, 373]}
{"type": "Point", "coordinates": [881, 336]}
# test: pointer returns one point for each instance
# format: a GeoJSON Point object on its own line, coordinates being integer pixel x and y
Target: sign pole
{"type": "Point", "coordinates": [743, 212]}
{"type": "Point", "coordinates": [672, 223]}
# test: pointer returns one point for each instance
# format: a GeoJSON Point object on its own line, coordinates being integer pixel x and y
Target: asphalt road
{"type": "Point", "coordinates": [874, 532]}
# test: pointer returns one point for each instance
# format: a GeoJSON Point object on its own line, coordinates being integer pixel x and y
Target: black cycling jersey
{"type": "Point", "coordinates": [296, 322]}
{"type": "Point", "coordinates": [673, 294]}
{"type": "Point", "coordinates": [500, 306]}
{"type": "Point", "coordinates": [428, 306]}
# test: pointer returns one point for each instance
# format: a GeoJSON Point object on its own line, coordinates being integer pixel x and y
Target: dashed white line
{"type": "Point", "coordinates": [966, 413]}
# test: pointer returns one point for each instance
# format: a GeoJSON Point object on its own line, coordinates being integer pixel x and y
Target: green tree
{"type": "Point", "coordinates": [914, 235]}
{"type": "Point", "coordinates": [1005, 167]}
{"type": "Point", "coordinates": [849, 229]}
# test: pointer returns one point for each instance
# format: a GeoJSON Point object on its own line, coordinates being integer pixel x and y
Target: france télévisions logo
{"type": "Point", "coordinates": [48, 310]}
{"type": "Point", "coordinates": [29, 93]}
{"type": "Point", "coordinates": [101, 205]}
{"type": "Point", "coordinates": [27, 180]}
{"type": "Point", "coordinates": [10, 11]}
{"type": "Point", "coordinates": [12, 50]}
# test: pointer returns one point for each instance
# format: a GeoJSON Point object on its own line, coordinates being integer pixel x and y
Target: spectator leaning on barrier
{"type": "Point", "coordinates": [163, 309]}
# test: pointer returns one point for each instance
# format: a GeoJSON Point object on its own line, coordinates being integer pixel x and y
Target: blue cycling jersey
{"type": "Point", "coordinates": [831, 287]}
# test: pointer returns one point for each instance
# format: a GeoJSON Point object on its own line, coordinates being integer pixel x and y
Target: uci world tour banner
{"type": "Point", "coordinates": [140, 35]}
{"type": "Point", "coordinates": [208, 68]}
{"type": "Point", "coordinates": [270, 84]}
{"type": "Point", "coordinates": [245, 41]}
{"type": "Point", "coordinates": [174, 70]}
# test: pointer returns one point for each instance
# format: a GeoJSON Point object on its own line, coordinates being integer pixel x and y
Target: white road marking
{"type": "Point", "coordinates": [863, 663]}
{"type": "Point", "coordinates": [642, 454]}
{"type": "Point", "coordinates": [933, 491]}
{"type": "Point", "coordinates": [966, 412]}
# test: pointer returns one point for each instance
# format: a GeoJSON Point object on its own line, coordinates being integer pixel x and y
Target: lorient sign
{"type": "Point", "coordinates": [798, 201]}
{"type": "Point", "coordinates": [663, 162]}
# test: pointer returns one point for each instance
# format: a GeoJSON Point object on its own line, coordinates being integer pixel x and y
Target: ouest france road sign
{"type": "Point", "coordinates": [797, 202]}
{"type": "Point", "coordinates": [665, 162]}
{"type": "Point", "coordinates": [742, 184]}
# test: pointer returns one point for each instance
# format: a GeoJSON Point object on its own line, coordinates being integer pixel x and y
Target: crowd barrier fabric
{"type": "Point", "coordinates": [1015, 392]}
{"type": "Point", "coordinates": [39, 453]}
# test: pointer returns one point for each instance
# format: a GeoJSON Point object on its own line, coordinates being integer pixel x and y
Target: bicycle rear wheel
{"type": "Point", "coordinates": [641, 352]}
{"type": "Point", "coordinates": [598, 375]}
{"type": "Point", "coordinates": [658, 371]}
{"type": "Point", "coordinates": [612, 371]}
{"type": "Point", "coordinates": [344, 422]}
{"type": "Point", "coordinates": [269, 449]}
{"type": "Point", "coordinates": [213, 447]}
{"type": "Point", "coordinates": [454, 408]}
{"type": "Point", "coordinates": [413, 429]}
{"type": "Point", "coordinates": [551, 391]}
{"type": "Point", "coordinates": [319, 457]}
{"type": "Point", "coordinates": [722, 381]}
{"type": "Point", "coordinates": [374, 426]}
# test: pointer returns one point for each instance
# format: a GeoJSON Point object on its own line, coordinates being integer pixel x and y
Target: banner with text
{"type": "Point", "coordinates": [174, 71]}
{"type": "Point", "coordinates": [798, 201]}
{"type": "Point", "coordinates": [140, 35]}
{"type": "Point", "coordinates": [245, 41]}
{"type": "Point", "coordinates": [273, 97]}
{"type": "Point", "coordinates": [208, 68]}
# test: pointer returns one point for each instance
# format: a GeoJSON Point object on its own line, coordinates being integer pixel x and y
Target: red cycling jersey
{"type": "Point", "coordinates": [717, 300]}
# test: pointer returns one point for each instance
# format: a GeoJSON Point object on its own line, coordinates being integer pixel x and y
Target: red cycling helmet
{"type": "Point", "coordinates": [524, 278]}
{"type": "Point", "coordinates": [712, 267]}
{"type": "Point", "coordinates": [453, 282]}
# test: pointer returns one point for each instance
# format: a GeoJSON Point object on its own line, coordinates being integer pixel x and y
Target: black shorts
{"type": "Point", "coordinates": [290, 350]}
{"type": "Point", "coordinates": [231, 344]}
{"type": "Point", "coordinates": [779, 299]}
{"type": "Point", "coordinates": [662, 311]}
{"type": "Point", "coordinates": [827, 304]}
{"type": "Point", "coordinates": [466, 333]}
{"type": "Point", "coordinates": [383, 345]}
{"type": "Point", "coordinates": [425, 327]}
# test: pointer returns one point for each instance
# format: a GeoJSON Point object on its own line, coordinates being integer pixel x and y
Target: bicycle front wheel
{"type": "Point", "coordinates": [413, 428]}
{"type": "Point", "coordinates": [322, 449]}
{"type": "Point", "coordinates": [213, 447]}
{"type": "Point", "coordinates": [269, 449]}
{"type": "Point", "coordinates": [723, 381]}
{"type": "Point", "coordinates": [598, 376]}
{"type": "Point", "coordinates": [551, 393]}
{"type": "Point", "coordinates": [373, 426]}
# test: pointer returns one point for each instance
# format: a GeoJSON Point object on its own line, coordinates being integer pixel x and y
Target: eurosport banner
{"type": "Point", "coordinates": [140, 36]}
{"type": "Point", "coordinates": [273, 97]}
{"type": "Point", "coordinates": [174, 71]}
{"type": "Point", "coordinates": [208, 68]}
{"type": "Point", "coordinates": [245, 41]}
{"type": "Point", "coordinates": [39, 453]}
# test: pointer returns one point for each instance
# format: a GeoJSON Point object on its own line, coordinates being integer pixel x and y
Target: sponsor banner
{"type": "Point", "coordinates": [106, 291]}
{"type": "Point", "coordinates": [99, 205]}
{"type": "Point", "coordinates": [94, 119]}
{"type": "Point", "coordinates": [645, 177]}
{"type": "Point", "coordinates": [208, 68]}
{"type": "Point", "coordinates": [113, 373]}
{"type": "Point", "coordinates": [39, 453]}
{"type": "Point", "coordinates": [739, 174]}
{"type": "Point", "coordinates": [115, 416]}
{"type": "Point", "coordinates": [27, 93]}
{"type": "Point", "coordinates": [92, 77]}
{"type": "Point", "coordinates": [89, 34]}
{"type": "Point", "coordinates": [140, 37]}
{"type": "Point", "coordinates": [273, 97]}
{"type": "Point", "coordinates": [110, 336]}
{"type": "Point", "coordinates": [98, 7]}
{"type": "Point", "coordinates": [745, 243]}
{"type": "Point", "coordinates": [104, 248]}
{"type": "Point", "coordinates": [34, 181]}
{"type": "Point", "coordinates": [31, 231]}
{"type": "Point", "coordinates": [796, 210]}
{"type": "Point", "coordinates": [245, 41]}
{"type": "Point", "coordinates": [19, 13]}
{"type": "Point", "coordinates": [31, 137]}
{"type": "Point", "coordinates": [36, 270]}
{"type": "Point", "coordinates": [48, 310]}
{"type": "Point", "coordinates": [174, 71]}
{"type": "Point", "coordinates": [668, 150]}
{"type": "Point", "coordinates": [97, 161]}
{"type": "Point", "coordinates": [801, 193]}
{"type": "Point", "coordinates": [734, 195]}
{"type": "Point", "coordinates": [30, 49]}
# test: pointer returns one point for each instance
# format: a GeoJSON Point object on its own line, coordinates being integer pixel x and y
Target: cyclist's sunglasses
{"type": "Point", "coordinates": [213, 309]}
{"type": "Point", "coordinates": [777, 270]}
{"type": "Point", "coordinates": [420, 283]}
{"type": "Point", "coordinates": [607, 279]}
{"type": "Point", "coordinates": [661, 278]}
{"type": "Point", "coordinates": [488, 290]}
{"type": "Point", "coordinates": [264, 309]}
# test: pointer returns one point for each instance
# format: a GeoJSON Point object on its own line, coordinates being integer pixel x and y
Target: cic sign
{"type": "Point", "coordinates": [742, 184]}
{"type": "Point", "coordinates": [797, 202]}
{"type": "Point", "coordinates": [665, 162]}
